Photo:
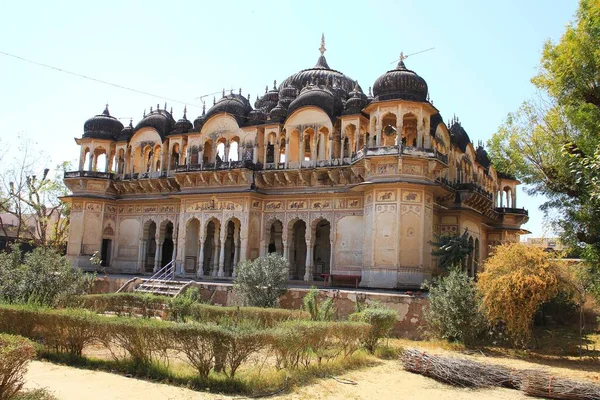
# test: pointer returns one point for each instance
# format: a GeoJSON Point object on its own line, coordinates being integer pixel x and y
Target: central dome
{"type": "Point", "coordinates": [400, 84]}
{"type": "Point", "coordinates": [320, 74]}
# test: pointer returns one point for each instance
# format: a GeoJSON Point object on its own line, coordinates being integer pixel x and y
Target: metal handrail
{"type": "Point", "coordinates": [165, 274]}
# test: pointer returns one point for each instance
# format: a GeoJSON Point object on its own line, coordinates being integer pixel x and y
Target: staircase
{"type": "Point", "coordinates": [162, 283]}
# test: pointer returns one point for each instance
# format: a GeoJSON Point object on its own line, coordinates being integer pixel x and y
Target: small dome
{"type": "Point", "coordinates": [356, 102]}
{"type": "Point", "coordinates": [257, 117]}
{"type": "Point", "coordinates": [102, 126]}
{"type": "Point", "coordinates": [400, 84]}
{"type": "Point", "coordinates": [161, 120]}
{"type": "Point", "coordinates": [482, 157]}
{"type": "Point", "coordinates": [183, 125]}
{"type": "Point", "coordinates": [317, 96]}
{"type": "Point", "coordinates": [269, 100]}
{"type": "Point", "coordinates": [126, 133]}
{"type": "Point", "coordinates": [278, 113]}
{"type": "Point", "coordinates": [287, 95]}
{"type": "Point", "coordinates": [434, 121]}
{"type": "Point", "coordinates": [458, 135]}
{"type": "Point", "coordinates": [235, 104]}
{"type": "Point", "coordinates": [199, 121]}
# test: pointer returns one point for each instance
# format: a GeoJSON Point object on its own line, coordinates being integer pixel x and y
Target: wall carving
{"type": "Point", "coordinates": [410, 196]}
{"type": "Point", "coordinates": [386, 195]}
{"type": "Point", "coordinates": [412, 169]}
{"type": "Point", "coordinates": [213, 204]}
{"type": "Point", "coordinates": [273, 205]}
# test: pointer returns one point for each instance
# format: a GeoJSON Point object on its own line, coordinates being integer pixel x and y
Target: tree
{"type": "Point", "coordinates": [260, 282]}
{"type": "Point", "coordinates": [452, 250]}
{"type": "Point", "coordinates": [516, 280]}
{"type": "Point", "coordinates": [552, 143]}
{"type": "Point", "coordinates": [38, 215]}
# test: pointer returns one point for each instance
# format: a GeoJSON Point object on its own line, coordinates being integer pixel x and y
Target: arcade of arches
{"type": "Point", "coordinates": [339, 181]}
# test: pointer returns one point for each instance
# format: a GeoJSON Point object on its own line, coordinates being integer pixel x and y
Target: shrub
{"type": "Point", "coordinates": [319, 311]}
{"type": "Point", "coordinates": [199, 344]}
{"type": "Point", "coordinates": [265, 317]}
{"type": "Point", "coordinates": [19, 320]}
{"type": "Point", "coordinates": [381, 319]}
{"type": "Point", "coordinates": [15, 353]}
{"type": "Point", "coordinates": [146, 340]}
{"type": "Point", "coordinates": [453, 313]}
{"type": "Point", "coordinates": [260, 282]}
{"type": "Point", "coordinates": [69, 331]}
{"type": "Point", "coordinates": [128, 304]}
{"type": "Point", "coordinates": [43, 277]}
{"type": "Point", "coordinates": [243, 340]}
{"type": "Point", "coordinates": [517, 279]}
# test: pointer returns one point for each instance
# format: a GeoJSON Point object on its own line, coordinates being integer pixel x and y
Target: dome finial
{"type": "Point", "coordinates": [165, 106]}
{"type": "Point", "coordinates": [240, 92]}
{"type": "Point", "coordinates": [274, 84]}
{"type": "Point", "coordinates": [105, 112]}
{"type": "Point", "coordinates": [223, 94]}
{"type": "Point", "coordinates": [185, 112]}
{"type": "Point", "coordinates": [144, 113]}
{"type": "Point", "coordinates": [370, 92]}
{"type": "Point", "coordinates": [215, 99]}
{"type": "Point", "coordinates": [322, 49]}
{"type": "Point", "coordinates": [401, 61]}
{"type": "Point", "coordinates": [204, 108]}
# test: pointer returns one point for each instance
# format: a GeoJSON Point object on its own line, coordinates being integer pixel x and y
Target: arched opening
{"type": "Point", "coordinates": [100, 160]}
{"type": "Point", "coordinates": [192, 232]}
{"type": "Point", "coordinates": [85, 162]}
{"type": "Point", "coordinates": [322, 145]}
{"type": "Point", "coordinates": [150, 252]}
{"type": "Point", "coordinates": [409, 130]}
{"type": "Point", "coordinates": [121, 162]}
{"type": "Point", "coordinates": [194, 155]}
{"type": "Point", "coordinates": [175, 156]}
{"type": "Point", "coordinates": [309, 143]}
{"type": "Point", "coordinates": [234, 148]}
{"type": "Point", "coordinates": [167, 244]}
{"type": "Point", "coordinates": [470, 257]}
{"type": "Point", "coordinates": [210, 263]}
{"type": "Point", "coordinates": [282, 148]}
{"type": "Point", "coordinates": [275, 240]}
{"type": "Point", "coordinates": [221, 150]}
{"type": "Point", "coordinates": [350, 145]}
{"type": "Point", "coordinates": [476, 257]}
{"type": "Point", "coordinates": [298, 250]}
{"type": "Point", "coordinates": [232, 247]}
{"type": "Point", "coordinates": [507, 196]}
{"type": "Point", "coordinates": [389, 130]}
{"type": "Point", "coordinates": [208, 155]}
{"type": "Point", "coordinates": [157, 153]}
{"type": "Point", "coordinates": [322, 248]}
{"type": "Point", "coordinates": [270, 156]}
{"type": "Point", "coordinates": [148, 153]}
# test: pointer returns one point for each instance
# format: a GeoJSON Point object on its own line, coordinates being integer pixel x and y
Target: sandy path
{"type": "Point", "coordinates": [385, 381]}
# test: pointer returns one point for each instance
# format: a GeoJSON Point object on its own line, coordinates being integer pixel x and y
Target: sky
{"type": "Point", "coordinates": [484, 56]}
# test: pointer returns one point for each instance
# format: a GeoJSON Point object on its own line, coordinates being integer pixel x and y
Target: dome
{"type": "Point", "coordinates": [278, 113]}
{"type": "Point", "coordinates": [235, 104]}
{"type": "Point", "coordinates": [320, 74]}
{"type": "Point", "coordinates": [356, 102]}
{"type": "Point", "coordinates": [126, 133]}
{"type": "Point", "coordinates": [482, 157]}
{"type": "Point", "coordinates": [183, 125]}
{"type": "Point", "coordinates": [458, 135]}
{"type": "Point", "coordinates": [434, 121]}
{"type": "Point", "coordinates": [102, 126]}
{"type": "Point", "coordinates": [287, 95]}
{"type": "Point", "coordinates": [161, 120]}
{"type": "Point", "coordinates": [400, 84]}
{"type": "Point", "coordinates": [317, 96]}
{"type": "Point", "coordinates": [199, 121]}
{"type": "Point", "coordinates": [257, 117]}
{"type": "Point", "coordinates": [269, 100]}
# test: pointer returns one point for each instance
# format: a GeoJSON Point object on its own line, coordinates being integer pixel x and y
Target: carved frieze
{"type": "Point", "coordinates": [386, 195]}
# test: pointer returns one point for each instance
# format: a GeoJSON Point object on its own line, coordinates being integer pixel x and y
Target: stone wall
{"type": "Point", "coordinates": [409, 308]}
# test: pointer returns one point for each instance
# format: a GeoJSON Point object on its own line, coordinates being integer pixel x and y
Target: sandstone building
{"type": "Point", "coordinates": [337, 181]}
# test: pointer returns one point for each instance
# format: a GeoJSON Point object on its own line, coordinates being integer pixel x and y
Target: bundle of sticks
{"type": "Point", "coordinates": [541, 384]}
{"type": "Point", "coordinates": [460, 372]}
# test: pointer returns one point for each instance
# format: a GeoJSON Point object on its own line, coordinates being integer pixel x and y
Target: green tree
{"type": "Point", "coordinates": [260, 282]}
{"type": "Point", "coordinates": [552, 143]}
{"type": "Point", "coordinates": [452, 250]}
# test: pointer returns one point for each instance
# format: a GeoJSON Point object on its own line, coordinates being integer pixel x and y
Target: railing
{"type": "Point", "coordinates": [511, 210]}
{"type": "Point", "coordinates": [165, 274]}
{"type": "Point", "coordinates": [89, 174]}
{"type": "Point", "coordinates": [475, 188]}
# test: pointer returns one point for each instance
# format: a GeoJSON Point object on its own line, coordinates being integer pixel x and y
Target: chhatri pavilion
{"type": "Point", "coordinates": [339, 182]}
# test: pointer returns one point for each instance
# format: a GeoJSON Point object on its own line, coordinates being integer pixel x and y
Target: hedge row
{"type": "Point", "coordinates": [146, 305]}
{"type": "Point", "coordinates": [15, 353]}
{"type": "Point", "coordinates": [207, 346]}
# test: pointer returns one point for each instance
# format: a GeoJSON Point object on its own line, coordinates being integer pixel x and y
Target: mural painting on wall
{"type": "Point", "coordinates": [77, 207]}
{"type": "Point", "coordinates": [93, 207]}
{"type": "Point", "coordinates": [386, 169]}
{"type": "Point", "coordinates": [340, 203]}
{"type": "Point", "coordinates": [256, 204]}
{"type": "Point", "coordinates": [321, 204]}
{"type": "Point", "coordinates": [297, 205]}
{"type": "Point", "coordinates": [369, 198]}
{"type": "Point", "coordinates": [273, 205]}
{"type": "Point", "coordinates": [95, 186]}
{"type": "Point", "coordinates": [449, 230]}
{"type": "Point", "coordinates": [214, 205]}
{"type": "Point", "coordinates": [354, 203]}
{"type": "Point", "coordinates": [411, 197]}
{"type": "Point", "coordinates": [386, 195]}
{"type": "Point", "coordinates": [412, 169]}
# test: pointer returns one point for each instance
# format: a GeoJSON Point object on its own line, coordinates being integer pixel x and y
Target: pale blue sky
{"type": "Point", "coordinates": [485, 54]}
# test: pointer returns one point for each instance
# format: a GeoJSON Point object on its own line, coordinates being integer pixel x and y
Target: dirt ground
{"type": "Point", "coordinates": [385, 381]}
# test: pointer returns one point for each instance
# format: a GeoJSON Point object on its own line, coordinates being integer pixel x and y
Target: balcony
{"type": "Point", "coordinates": [474, 187]}
{"type": "Point", "coordinates": [89, 174]}
{"type": "Point", "coordinates": [512, 210]}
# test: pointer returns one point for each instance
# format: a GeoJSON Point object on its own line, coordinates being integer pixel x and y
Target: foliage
{"type": "Point", "coordinates": [44, 276]}
{"type": "Point", "coordinates": [35, 394]}
{"type": "Point", "coordinates": [15, 353]}
{"type": "Point", "coordinates": [33, 202]}
{"type": "Point", "coordinates": [453, 313]}
{"type": "Point", "coordinates": [452, 250]}
{"type": "Point", "coordinates": [260, 282]}
{"type": "Point", "coordinates": [517, 279]}
{"type": "Point", "coordinates": [381, 319]}
{"type": "Point", "coordinates": [319, 311]}
{"type": "Point", "coordinates": [122, 304]}
{"type": "Point", "coordinates": [553, 144]}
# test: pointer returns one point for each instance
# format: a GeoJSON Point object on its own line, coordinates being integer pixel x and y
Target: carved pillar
{"type": "Point", "coordinates": [107, 163]}
{"type": "Point", "coordinates": [330, 144]}
{"type": "Point", "coordinates": [81, 158]}
{"type": "Point", "coordinates": [200, 270]}
{"type": "Point", "coordinates": [157, 253]}
{"type": "Point", "coordinates": [377, 138]}
{"type": "Point", "coordinates": [226, 153]}
{"type": "Point", "coordinates": [399, 128]}
{"type": "Point", "coordinates": [302, 146]}
{"type": "Point", "coordinates": [420, 135]}
{"type": "Point", "coordinates": [308, 269]}
{"type": "Point", "coordinates": [140, 261]}
{"type": "Point", "coordinates": [221, 272]}
{"type": "Point", "coordinates": [91, 162]}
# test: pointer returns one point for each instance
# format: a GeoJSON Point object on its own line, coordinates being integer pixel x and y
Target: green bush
{"type": "Point", "coordinates": [44, 277]}
{"type": "Point", "coordinates": [199, 344]}
{"type": "Point", "coordinates": [265, 317]}
{"type": "Point", "coordinates": [381, 319]}
{"type": "Point", "coordinates": [123, 304]}
{"type": "Point", "coordinates": [260, 282]}
{"type": "Point", "coordinates": [69, 331]}
{"type": "Point", "coordinates": [19, 320]}
{"type": "Point", "coordinates": [15, 353]}
{"type": "Point", "coordinates": [319, 311]}
{"type": "Point", "coordinates": [453, 313]}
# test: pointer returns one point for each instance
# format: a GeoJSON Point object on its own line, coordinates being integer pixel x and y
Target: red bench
{"type": "Point", "coordinates": [331, 277]}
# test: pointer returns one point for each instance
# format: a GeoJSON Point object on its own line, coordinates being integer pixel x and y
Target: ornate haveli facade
{"type": "Point", "coordinates": [337, 181]}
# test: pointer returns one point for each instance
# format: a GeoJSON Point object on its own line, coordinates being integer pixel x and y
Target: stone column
{"type": "Point", "coordinates": [82, 158]}
{"type": "Point", "coordinates": [331, 255]}
{"type": "Point", "coordinates": [276, 149]}
{"type": "Point", "coordinates": [255, 154]}
{"type": "Point", "coordinates": [286, 255]}
{"type": "Point", "coordinates": [200, 270]}
{"type": "Point", "coordinates": [169, 160]}
{"type": "Point", "coordinates": [214, 262]}
{"type": "Point", "coordinates": [399, 128]}
{"type": "Point", "coordinates": [182, 258]}
{"type": "Point", "coordinates": [157, 253]}
{"type": "Point", "coordinates": [420, 135]}
{"type": "Point", "coordinates": [140, 261]}
{"type": "Point", "coordinates": [287, 149]}
{"type": "Point", "coordinates": [308, 269]}
{"type": "Point", "coordinates": [221, 272]}
{"type": "Point", "coordinates": [330, 144]}
{"type": "Point", "coordinates": [91, 162]}
{"type": "Point", "coordinates": [377, 138]}
{"type": "Point", "coordinates": [226, 153]}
